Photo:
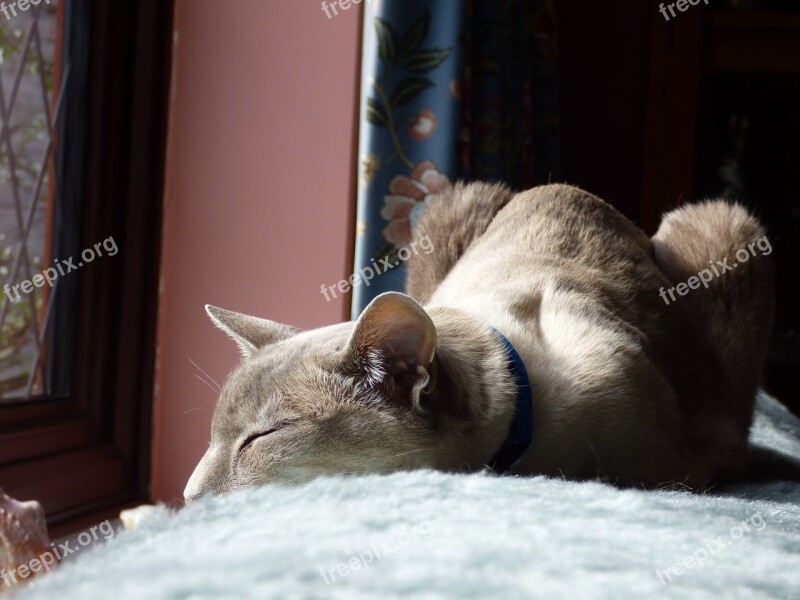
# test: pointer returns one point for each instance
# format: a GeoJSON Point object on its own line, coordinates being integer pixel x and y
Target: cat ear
{"type": "Point", "coordinates": [249, 333]}
{"type": "Point", "coordinates": [394, 342]}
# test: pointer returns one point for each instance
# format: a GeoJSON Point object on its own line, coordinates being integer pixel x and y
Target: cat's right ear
{"type": "Point", "coordinates": [394, 342]}
{"type": "Point", "coordinates": [249, 333]}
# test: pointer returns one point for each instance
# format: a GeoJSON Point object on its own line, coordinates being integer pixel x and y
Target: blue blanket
{"type": "Point", "coordinates": [433, 535]}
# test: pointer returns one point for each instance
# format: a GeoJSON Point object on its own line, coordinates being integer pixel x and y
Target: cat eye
{"type": "Point", "coordinates": [252, 438]}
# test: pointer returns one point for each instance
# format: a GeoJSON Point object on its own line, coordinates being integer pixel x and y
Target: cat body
{"type": "Point", "coordinates": [628, 387]}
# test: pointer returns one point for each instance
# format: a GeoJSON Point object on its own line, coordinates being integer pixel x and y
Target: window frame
{"type": "Point", "coordinates": [89, 452]}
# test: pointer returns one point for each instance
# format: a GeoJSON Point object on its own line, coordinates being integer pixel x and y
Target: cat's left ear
{"type": "Point", "coordinates": [394, 342]}
{"type": "Point", "coordinates": [249, 333]}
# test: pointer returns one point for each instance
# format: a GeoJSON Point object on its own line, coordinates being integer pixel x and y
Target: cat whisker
{"type": "Point", "coordinates": [219, 388]}
{"type": "Point", "coordinates": [208, 384]}
{"type": "Point", "coordinates": [409, 452]}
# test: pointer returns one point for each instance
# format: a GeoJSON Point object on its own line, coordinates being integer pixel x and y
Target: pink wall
{"type": "Point", "coordinates": [259, 199]}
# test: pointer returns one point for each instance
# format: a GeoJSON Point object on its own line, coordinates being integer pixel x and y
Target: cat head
{"type": "Point", "coordinates": [350, 398]}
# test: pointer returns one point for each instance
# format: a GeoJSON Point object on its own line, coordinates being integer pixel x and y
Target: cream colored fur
{"type": "Point", "coordinates": [628, 388]}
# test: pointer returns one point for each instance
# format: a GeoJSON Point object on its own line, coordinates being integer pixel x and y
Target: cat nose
{"type": "Point", "coordinates": [189, 497]}
{"type": "Point", "coordinates": [193, 490]}
{"type": "Point", "coordinates": [205, 477]}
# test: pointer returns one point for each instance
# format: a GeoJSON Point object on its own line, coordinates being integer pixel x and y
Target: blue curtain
{"type": "Point", "coordinates": [450, 90]}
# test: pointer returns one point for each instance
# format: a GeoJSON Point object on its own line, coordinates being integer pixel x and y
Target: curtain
{"type": "Point", "coordinates": [450, 90]}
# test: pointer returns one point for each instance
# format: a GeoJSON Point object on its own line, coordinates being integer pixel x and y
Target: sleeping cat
{"type": "Point", "coordinates": [534, 339]}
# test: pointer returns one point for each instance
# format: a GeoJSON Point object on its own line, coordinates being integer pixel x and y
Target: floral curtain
{"type": "Point", "coordinates": [450, 90]}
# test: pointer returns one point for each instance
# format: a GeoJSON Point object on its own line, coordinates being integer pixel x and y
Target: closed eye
{"type": "Point", "coordinates": [252, 438]}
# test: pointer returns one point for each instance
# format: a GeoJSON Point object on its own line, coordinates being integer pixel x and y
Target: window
{"type": "Point", "coordinates": [29, 113]}
{"type": "Point", "coordinates": [84, 100]}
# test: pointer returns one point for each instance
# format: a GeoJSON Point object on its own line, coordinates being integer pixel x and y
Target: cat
{"type": "Point", "coordinates": [539, 314]}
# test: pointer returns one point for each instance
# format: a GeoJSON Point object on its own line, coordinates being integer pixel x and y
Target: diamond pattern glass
{"type": "Point", "coordinates": [29, 108]}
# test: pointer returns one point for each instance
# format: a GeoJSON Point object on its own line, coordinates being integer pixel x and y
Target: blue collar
{"type": "Point", "coordinates": [521, 432]}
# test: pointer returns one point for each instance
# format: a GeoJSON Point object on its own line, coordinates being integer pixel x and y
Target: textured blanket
{"type": "Point", "coordinates": [433, 535]}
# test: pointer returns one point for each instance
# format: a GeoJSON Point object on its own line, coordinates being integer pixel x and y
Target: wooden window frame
{"type": "Point", "coordinates": [88, 453]}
